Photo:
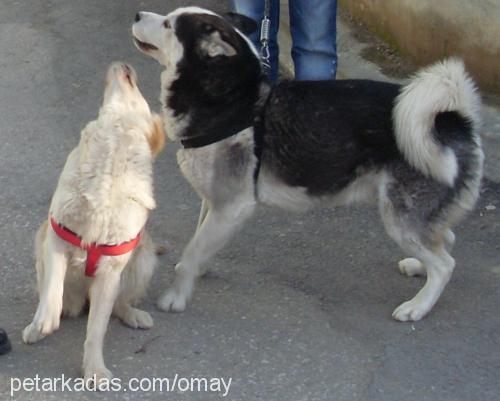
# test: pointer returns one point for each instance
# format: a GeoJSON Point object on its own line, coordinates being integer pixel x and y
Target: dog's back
{"type": "Point", "coordinates": [319, 134]}
{"type": "Point", "coordinates": [323, 136]}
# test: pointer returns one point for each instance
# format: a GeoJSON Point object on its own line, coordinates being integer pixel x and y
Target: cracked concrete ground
{"type": "Point", "coordinates": [297, 308]}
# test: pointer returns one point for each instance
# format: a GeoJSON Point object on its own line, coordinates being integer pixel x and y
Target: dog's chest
{"type": "Point", "coordinates": [197, 166]}
{"type": "Point", "coordinates": [220, 171]}
{"type": "Point", "coordinates": [96, 212]}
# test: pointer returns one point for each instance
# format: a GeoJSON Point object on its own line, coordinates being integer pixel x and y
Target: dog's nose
{"type": "Point", "coordinates": [137, 17]}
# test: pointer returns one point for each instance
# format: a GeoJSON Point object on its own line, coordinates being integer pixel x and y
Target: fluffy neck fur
{"type": "Point", "coordinates": [106, 191]}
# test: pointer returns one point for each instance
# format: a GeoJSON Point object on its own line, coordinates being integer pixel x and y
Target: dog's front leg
{"type": "Point", "coordinates": [51, 269]}
{"type": "Point", "coordinates": [103, 293]}
{"type": "Point", "coordinates": [216, 229]}
{"type": "Point", "coordinates": [203, 213]}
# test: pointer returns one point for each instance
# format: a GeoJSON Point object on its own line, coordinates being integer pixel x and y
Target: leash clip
{"type": "Point", "coordinates": [264, 40]}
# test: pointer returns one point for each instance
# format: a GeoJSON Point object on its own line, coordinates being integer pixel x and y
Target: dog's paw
{"type": "Point", "coordinates": [172, 301]}
{"type": "Point", "coordinates": [412, 267]}
{"type": "Point", "coordinates": [97, 377]}
{"type": "Point", "coordinates": [32, 334]}
{"type": "Point", "coordinates": [410, 311]}
{"type": "Point", "coordinates": [137, 319]}
{"type": "Point", "coordinates": [40, 328]}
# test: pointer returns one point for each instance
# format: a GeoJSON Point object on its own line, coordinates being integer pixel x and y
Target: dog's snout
{"type": "Point", "coordinates": [137, 17]}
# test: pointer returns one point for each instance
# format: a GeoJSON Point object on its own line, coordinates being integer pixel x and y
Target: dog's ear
{"type": "Point", "coordinates": [245, 24]}
{"type": "Point", "coordinates": [156, 137]}
{"type": "Point", "coordinates": [213, 44]}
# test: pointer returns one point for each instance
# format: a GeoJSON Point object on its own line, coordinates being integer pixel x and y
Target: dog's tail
{"type": "Point", "coordinates": [442, 87]}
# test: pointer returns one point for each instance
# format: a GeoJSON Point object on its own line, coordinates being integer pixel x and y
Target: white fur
{"type": "Point", "coordinates": [444, 86]}
{"type": "Point", "coordinates": [104, 194]}
{"type": "Point", "coordinates": [190, 10]}
{"type": "Point", "coordinates": [274, 192]}
{"type": "Point", "coordinates": [411, 267]}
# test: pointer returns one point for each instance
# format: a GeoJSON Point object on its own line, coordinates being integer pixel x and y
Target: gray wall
{"type": "Point", "coordinates": [428, 30]}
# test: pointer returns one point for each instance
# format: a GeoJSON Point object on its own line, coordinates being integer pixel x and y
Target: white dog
{"type": "Point", "coordinates": [96, 223]}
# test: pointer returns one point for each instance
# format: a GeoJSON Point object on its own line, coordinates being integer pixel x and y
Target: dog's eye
{"type": "Point", "coordinates": [208, 28]}
{"type": "Point", "coordinates": [166, 24]}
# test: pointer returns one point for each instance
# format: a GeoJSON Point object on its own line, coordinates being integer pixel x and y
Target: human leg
{"type": "Point", "coordinates": [313, 28]}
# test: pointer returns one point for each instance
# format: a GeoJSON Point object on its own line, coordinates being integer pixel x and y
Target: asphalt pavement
{"type": "Point", "coordinates": [297, 308]}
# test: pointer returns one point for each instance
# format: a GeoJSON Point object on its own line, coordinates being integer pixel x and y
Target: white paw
{"type": "Point", "coordinates": [32, 334]}
{"type": "Point", "coordinates": [172, 301]}
{"type": "Point", "coordinates": [412, 267]}
{"type": "Point", "coordinates": [97, 377]}
{"type": "Point", "coordinates": [137, 319]}
{"type": "Point", "coordinates": [40, 328]}
{"type": "Point", "coordinates": [410, 311]}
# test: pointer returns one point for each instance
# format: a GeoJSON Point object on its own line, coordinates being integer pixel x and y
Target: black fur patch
{"type": "Point", "coordinates": [453, 130]}
{"type": "Point", "coordinates": [322, 135]}
{"type": "Point", "coordinates": [450, 128]}
{"type": "Point", "coordinates": [218, 92]}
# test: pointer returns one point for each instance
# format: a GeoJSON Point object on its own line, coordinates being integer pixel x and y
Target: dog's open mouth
{"type": "Point", "coordinates": [144, 45]}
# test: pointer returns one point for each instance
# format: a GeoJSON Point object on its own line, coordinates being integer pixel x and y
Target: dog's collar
{"type": "Point", "coordinates": [205, 140]}
{"type": "Point", "coordinates": [94, 251]}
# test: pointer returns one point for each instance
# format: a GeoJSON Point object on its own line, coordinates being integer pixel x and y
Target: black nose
{"type": "Point", "coordinates": [137, 17]}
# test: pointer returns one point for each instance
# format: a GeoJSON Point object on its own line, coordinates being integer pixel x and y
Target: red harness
{"type": "Point", "coordinates": [94, 251]}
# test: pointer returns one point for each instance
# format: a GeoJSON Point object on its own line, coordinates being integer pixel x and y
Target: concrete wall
{"type": "Point", "coordinates": [428, 30]}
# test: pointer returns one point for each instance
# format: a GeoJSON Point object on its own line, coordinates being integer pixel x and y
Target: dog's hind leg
{"type": "Point", "coordinates": [132, 317]}
{"type": "Point", "coordinates": [439, 266]}
{"type": "Point", "coordinates": [414, 267]}
{"type": "Point", "coordinates": [430, 250]}
{"type": "Point", "coordinates": [51, 262]}
{"type": "Point", "coordinates": [134, 281]}
{"type": "Point", "coordinates": [216, 230]}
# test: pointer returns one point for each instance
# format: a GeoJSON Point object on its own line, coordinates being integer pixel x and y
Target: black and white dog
{"type": "Point", "coordinates": [414, 149]}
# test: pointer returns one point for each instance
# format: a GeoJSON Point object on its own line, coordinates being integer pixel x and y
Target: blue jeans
{"type": "Point", "coordinates": [313, 28]}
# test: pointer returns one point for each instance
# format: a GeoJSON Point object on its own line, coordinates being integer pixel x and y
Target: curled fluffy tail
{"type": "Point", "coordinates": [444, 86]}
